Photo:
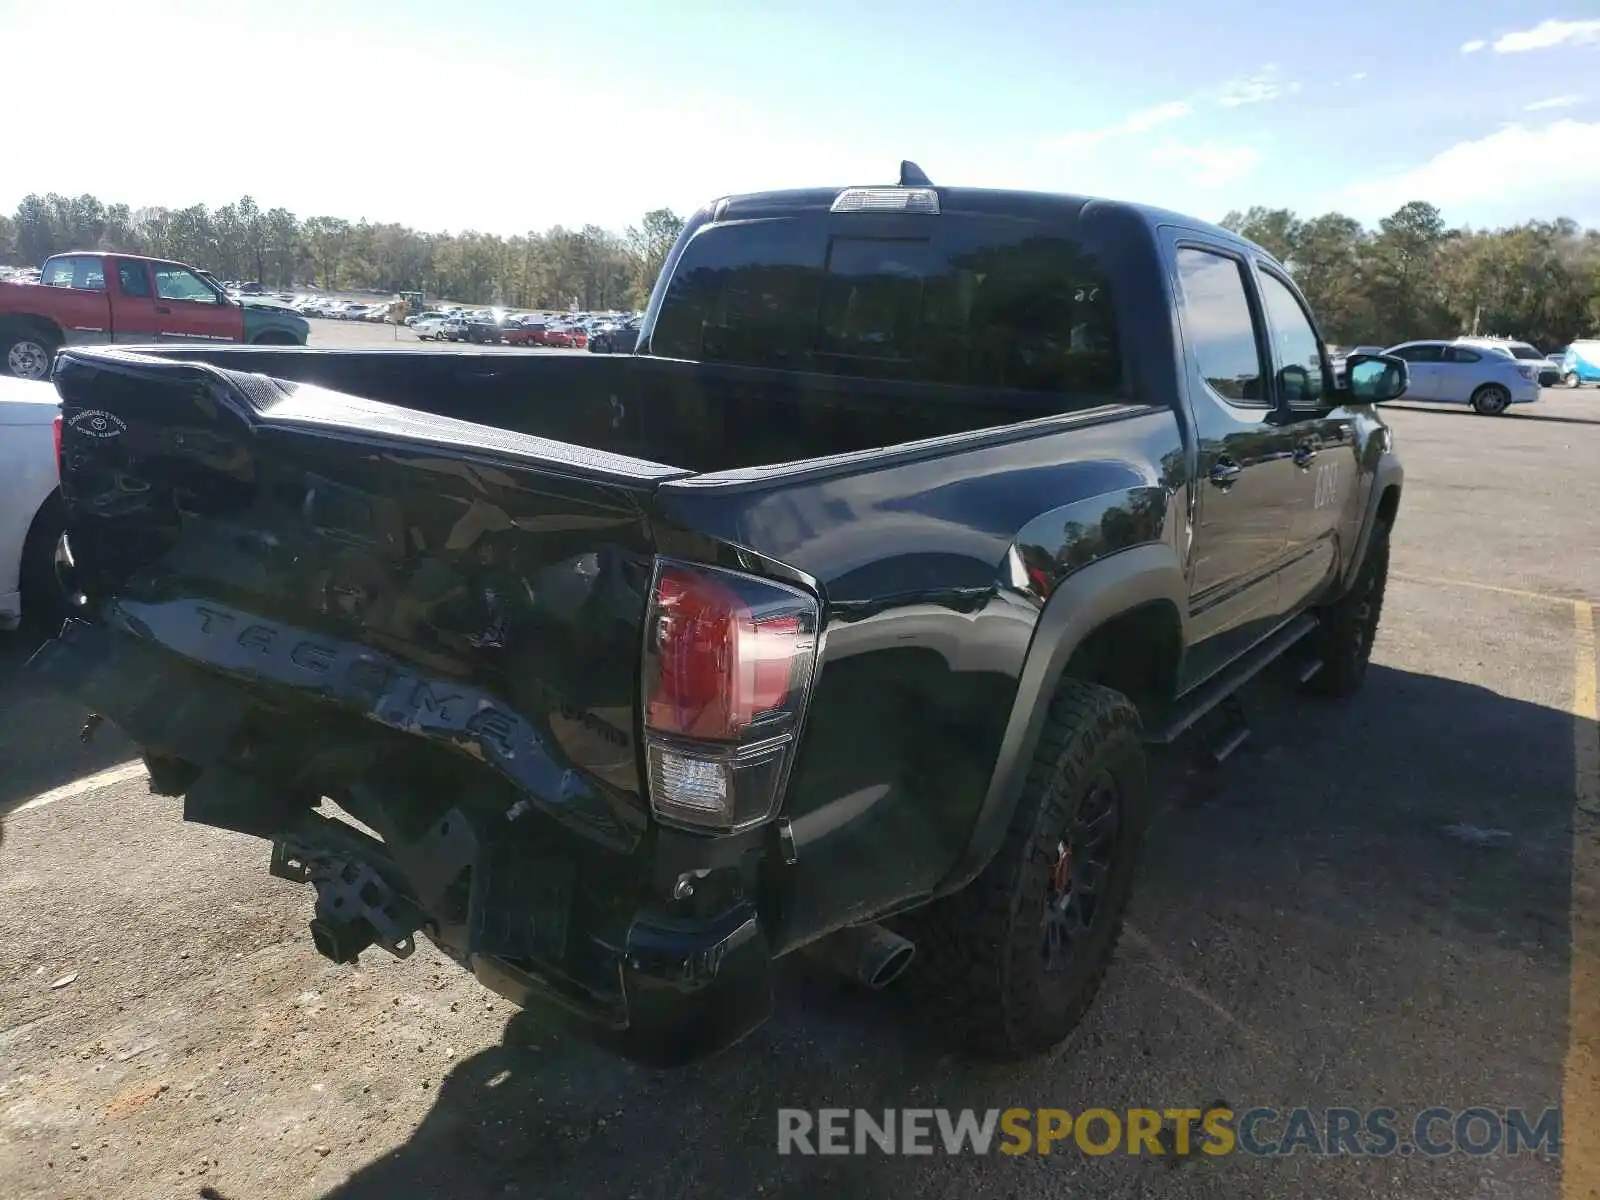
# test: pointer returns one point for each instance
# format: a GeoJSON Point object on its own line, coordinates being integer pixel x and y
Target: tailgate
{"type": "Point", "coordinates": [368, 585]}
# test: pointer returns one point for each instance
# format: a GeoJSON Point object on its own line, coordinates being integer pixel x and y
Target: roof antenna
{"type": "Point", "coordinates": [912, 175]}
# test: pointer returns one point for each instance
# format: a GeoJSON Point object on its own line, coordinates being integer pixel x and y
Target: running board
{"type": "Point", "coordinates": [1189, 708]}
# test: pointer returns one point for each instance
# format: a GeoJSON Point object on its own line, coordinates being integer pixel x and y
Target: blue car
{"type": "Point", "coordinates": [1581, 364]}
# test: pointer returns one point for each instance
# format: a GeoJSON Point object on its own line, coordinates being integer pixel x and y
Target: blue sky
{"type": "Point", "coordinates": [513, 116]}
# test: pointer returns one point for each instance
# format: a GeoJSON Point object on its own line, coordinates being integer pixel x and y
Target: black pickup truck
{"type": "Point", "coordinates": [840, 617]}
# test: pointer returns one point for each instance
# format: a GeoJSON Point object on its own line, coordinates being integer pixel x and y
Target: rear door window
{"type": "Point", "coordinates": [954, 300]}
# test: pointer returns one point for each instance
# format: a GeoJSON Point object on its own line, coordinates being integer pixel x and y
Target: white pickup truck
{"type": "Point", "coordinates": [33, 549]}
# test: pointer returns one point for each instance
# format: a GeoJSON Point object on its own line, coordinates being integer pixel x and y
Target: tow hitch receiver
{"type": "Point", "coordinates": [356, 907]}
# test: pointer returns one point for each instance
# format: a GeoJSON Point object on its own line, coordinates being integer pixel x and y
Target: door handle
{"type": "Point", "coordinates": [1224, 473]}
{"type": "Point", "coordinates": [1303, 454]}
{"type": "Point", "coordinates": [162, 308]}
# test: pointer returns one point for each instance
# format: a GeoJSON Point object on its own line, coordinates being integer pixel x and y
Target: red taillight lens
{"type": "Point", "coordinates": [719, 666]}
{"type": "Point", "coordinates": [57, 430]}
{"type": "Point", "coordinates": [727, 669]}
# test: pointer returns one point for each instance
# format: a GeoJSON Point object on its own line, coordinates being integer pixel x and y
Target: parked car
{"type": "Point", "coordinates": [614, 337]}
{"type": "Point", "coordinates": [431, 314]}
{"type": "Point", "coordinates": [1547, 373]}
{"type": "Point", "coordinates": [1580, 364]}
{"type": "Point", "coordinates": [455, 329]}
{"type": "Point", "coordinates": [489, 329]}
{"type": "Point", "coordinates": [1487, 378]}
{"type": "Point", "coordinates": [35, 562]}
{"type": "Point", "coordinates": [568, 337]}
{"type": "Point", "coordinates": [85, 297]}
{"type": "Point", "coordinates": [685, 666]}
{"type": "Point", "coordinates": [525, 331]}
{"type": "Point", "coordinates": [431, 328]}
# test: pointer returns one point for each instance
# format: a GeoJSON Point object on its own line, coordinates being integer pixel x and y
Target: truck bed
{"type": "Point", "coordinates": [697, 417]}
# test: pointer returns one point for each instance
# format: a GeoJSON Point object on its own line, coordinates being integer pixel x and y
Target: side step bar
{"type": "Point", "coordinates": [1190, 707]}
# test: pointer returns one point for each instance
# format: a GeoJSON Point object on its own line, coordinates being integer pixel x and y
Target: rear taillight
{"type": "Point", "coordinates": [57, 432]}
{"type": "Point", "coordinates": [1527, 372]}
{"type": "Point", "coordinates": [728, 666]}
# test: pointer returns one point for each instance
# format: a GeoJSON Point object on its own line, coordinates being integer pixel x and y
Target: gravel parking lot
{"type": "Point", "coordinates": [1307, 932]}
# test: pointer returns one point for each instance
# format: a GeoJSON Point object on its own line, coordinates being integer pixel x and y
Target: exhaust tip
{"type": "Point", "coordinates": [892, 966]}
{"type": "Point", "coordinates": [869, 955]}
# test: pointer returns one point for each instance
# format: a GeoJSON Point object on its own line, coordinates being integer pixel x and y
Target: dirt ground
{"type": "Point", "coordinates": [1311, 931]}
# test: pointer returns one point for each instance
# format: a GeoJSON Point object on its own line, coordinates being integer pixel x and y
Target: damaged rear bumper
{"type": "Point", "coordinates": [538, 917]}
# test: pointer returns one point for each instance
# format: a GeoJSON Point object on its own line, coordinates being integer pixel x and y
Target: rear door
{"type": "Point", "coordinates": [1459, 372]}
{"type": "Point", "coordinates": [1323, 440]}
{"type": "Point", "coordinates": [1248, 491]}
{"type": "Point", "coordinates": [133, 302]}
{"type": "Point", "coordinates": [190, 310]}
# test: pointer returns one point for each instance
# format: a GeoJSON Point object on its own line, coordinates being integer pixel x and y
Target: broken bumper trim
{"type": "Point", "coordinates": [688, 989]}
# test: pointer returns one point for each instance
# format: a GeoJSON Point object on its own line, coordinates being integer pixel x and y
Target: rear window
{"type": "Point", "coordinates": [956, 300]}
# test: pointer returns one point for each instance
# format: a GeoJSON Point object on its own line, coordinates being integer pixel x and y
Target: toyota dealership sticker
{"type": "Point", "coordinates": [92, 422]}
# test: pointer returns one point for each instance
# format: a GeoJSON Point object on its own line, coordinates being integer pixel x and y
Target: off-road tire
{"type": "Point", "coordinates": [1347, 628]}
{"type": "Point", "coordinates": [979, 975]}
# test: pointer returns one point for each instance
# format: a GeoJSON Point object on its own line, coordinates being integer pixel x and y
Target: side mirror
{"type": "Point", "coordinates": [1375, 378]}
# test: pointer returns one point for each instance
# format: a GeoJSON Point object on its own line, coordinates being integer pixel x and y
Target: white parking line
{"type": "Point", "coordinates": [82, 787]}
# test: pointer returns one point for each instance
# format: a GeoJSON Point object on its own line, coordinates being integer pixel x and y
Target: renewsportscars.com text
{"type": "Point", "coordinates": [1261, 1132]}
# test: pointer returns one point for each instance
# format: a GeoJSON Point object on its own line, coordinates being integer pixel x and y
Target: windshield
{"type": "Point", "coordinates": [1524, 352]}
{"type": "Point", "coordinates": [956, 300]}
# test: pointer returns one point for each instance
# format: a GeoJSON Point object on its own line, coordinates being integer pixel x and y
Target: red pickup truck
{"type": "Point", "coordinates": [85, 298]}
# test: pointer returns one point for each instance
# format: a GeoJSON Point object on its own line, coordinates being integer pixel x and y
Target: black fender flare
{"type": "Point", "coordinates": [1086, 600]}
{"type": "Point", "coordinates": [1388, 474]}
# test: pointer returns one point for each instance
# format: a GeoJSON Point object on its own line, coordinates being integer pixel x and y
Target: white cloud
{"type": "Point", "coordinates": [1254, 89]}
{"type": "Point", "coordinates": [1509, 175]}
{"type": "Point", "coordinates": [1553, 102]}
{"type": "Point", "coordinates": [1142, 121]}
{"type": "Point", "coordinates": [1547, 35]}
{"type": "Point", "coordinates": [1473, 46]}
{"type": "Point", "coordinates": [1207, 164]}
{"type": "Point", "coordinates": [1358, 77]}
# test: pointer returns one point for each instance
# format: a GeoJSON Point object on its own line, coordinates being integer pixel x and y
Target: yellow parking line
{"type": "Point", "coordinates": [1580, 1103]}
{"type": "Point", "coordinates": [1436, 581]}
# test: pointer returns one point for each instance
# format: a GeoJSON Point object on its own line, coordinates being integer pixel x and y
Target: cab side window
{"type": "Point", "coordinates": [1296, 352]}
{"type": "Point", "coordinates": [1218, 326]}
{"type": "Point", "coordinates": [1460, 354]}
{"type": "Point", "coordinates": [132, 279]}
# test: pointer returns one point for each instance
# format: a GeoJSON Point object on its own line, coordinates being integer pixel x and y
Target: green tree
{"type": "Point", "coordinates": [650, 242]}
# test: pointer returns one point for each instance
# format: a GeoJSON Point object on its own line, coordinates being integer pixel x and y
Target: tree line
{"type": "Point", "coordinates": [1415, 277]}
{"type": "Point", "coordinates": [591, 267]}
{"type": "Point", "coordinates": [1412, 276]}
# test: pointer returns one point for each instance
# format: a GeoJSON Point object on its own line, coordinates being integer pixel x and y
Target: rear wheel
{"type": "Point", "coordinates": [1571, 379]}
{"type": "Point", "coordinates": [1011, 963]}
{"type": "Point", "coordinates": [1491, 400]}
{"type": "Point", "coordinates": [49, 588]}
{"type": "Point", "coordinates": [28, 353]}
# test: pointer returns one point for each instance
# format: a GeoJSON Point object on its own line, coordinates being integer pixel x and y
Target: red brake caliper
{"type": "Point", "coordinates": [1061, 873]}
